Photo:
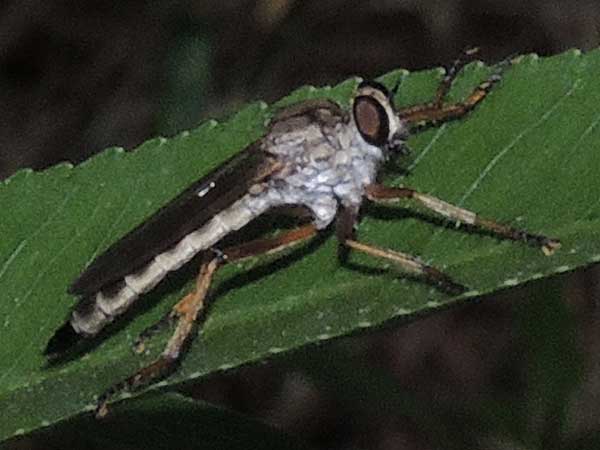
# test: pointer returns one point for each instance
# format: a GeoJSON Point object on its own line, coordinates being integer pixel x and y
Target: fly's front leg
{"type": "Point", "coordinates": [345, 231]}
{"type": "Point", "coordinates": [186, 311]}
{"type": "Point", "coordinates": [438, 111]}
{"type": "Point", "coordinates": [379, 193]}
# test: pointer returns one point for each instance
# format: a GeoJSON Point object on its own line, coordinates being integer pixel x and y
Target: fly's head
{"type": "Point", "coordinates": [376, 119]}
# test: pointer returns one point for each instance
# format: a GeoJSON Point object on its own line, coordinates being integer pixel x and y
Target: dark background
{"type": "Point", "coordinates": [79, 76]}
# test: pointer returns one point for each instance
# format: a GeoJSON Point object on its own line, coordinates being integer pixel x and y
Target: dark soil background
{"type": "Point", "coordinates": [79, 76]}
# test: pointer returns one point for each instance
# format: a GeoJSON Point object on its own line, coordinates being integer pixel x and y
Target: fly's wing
{"type": "Point", "coordinates": [185, 213]}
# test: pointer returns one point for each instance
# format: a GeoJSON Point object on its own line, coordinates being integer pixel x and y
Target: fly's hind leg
{"type": "Point", "coordinates": [345, 231]}
{"type": "Point", "coordinates": [186, 311]}
{"type": "Point", "coordinates": [439, 111]}
{"type": "Point", "coordinates": [299, 213]}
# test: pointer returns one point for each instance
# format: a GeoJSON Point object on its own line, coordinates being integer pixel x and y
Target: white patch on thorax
{"type": "Point", "coordinates": [323, 169]}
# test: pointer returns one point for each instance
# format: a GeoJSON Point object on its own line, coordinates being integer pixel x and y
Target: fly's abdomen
{"type": "Point", "coordinates": [94, 312]}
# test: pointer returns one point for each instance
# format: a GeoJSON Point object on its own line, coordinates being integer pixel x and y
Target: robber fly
{"type": "Point", "coordinates": [315, 155]}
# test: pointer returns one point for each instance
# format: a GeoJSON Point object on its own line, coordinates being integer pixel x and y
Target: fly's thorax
{"type": "Point", "coordinates": [323, 164]}
{"type": "Point", "coordinates": [329, 155]}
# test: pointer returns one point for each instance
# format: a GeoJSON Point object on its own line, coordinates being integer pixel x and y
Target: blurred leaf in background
{"type": "Point", "coordinates": [187, 85]}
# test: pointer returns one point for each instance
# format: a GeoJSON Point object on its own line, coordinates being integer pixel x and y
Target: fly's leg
{"type": "Point", "coordinates": [139, 346]}
{"type": "Point", "coordinates": [186, 311]}
{"type": "Point", "coordinates": [411, 264]}
{"type": "Point", "coordinates": [446, 84]}
{"type": "Point", "coordinates": [438, 111]}
{"type": "Point", "coordinates": [345, 231]}
{"type": "Point", "coordinates": [380, 193]}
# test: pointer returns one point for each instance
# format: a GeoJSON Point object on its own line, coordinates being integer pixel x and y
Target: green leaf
{"type": "Point", "coordinates": [527, 156]}
{"type": "Point", "coordinates": [163, 422]}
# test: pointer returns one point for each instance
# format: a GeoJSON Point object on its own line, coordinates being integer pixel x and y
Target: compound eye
{"type": "Point", "coordinates": [372, 120]}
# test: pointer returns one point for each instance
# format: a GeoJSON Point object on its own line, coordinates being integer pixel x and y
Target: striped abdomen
{"type": "Point", "coordinates": [94, 312]}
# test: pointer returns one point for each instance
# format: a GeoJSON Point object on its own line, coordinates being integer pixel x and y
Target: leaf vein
{"type": "Point", "coordinates": [24, 351]}
{"type": "Point", "coordinates": [429, 146]}
{"type": "Point", "coordinates": [585, 134]}
{"type": "Point", "coordinates": [12, 256]}
{"type": "Point", "coordinates": [31, 237]}
{"type": "Point", "coordinates": [485, 172]}
{"type": "Point", "coordinates": [110, 229]}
